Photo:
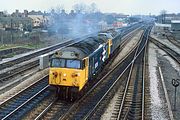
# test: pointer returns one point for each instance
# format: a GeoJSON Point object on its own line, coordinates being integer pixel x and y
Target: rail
{"type": "Point", "coordinates": [21, 98]}
{"type": "Point", "coordinates": [169, 51]}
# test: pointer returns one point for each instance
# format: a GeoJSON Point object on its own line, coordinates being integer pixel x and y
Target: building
{"type": "Point", "coordinates": [118, 24]}
{"type": "Point", "coordinates": [161, 29]}
{"type": "Point", "coordinates": [102, 25]}
{"type": "Point", "coordinates": [1, 26]}
{"type": "Point", "coordinates": [39, 20]}
{"type": "Point", "coordinates": [167, 18]}
{"type": "Point", "coordinates": [1, 14]}
{"type": "Point", "coordinates": [16, 14]}
{"type": "Point", "coordinates": [175, 28]}
{"type": "Point", "coordinates": [175, 25]}
{"type": "Point", "coordinates": [25, 14]}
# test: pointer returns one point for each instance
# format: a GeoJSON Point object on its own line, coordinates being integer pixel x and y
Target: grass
{"type": "Point", "coordinates": [6, 46]}
{"type": "Point", "coordinates": [29, 45]}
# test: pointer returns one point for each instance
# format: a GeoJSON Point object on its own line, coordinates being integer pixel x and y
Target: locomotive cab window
{"type": "Point", "coordinates": [66, 63]}
{"type": "Point", "coordinates": [57, 62]}
{"type": "Point", "coordinates": [73, 64]}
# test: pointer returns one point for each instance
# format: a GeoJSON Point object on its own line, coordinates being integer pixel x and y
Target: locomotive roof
{"type": "Point", "coordinates": [90, 44]}
{"type": "Point", "coordinates": [86, 46]}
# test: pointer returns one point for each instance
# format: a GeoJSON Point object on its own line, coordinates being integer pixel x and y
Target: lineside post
{"type": "Point", "coordinates": [175, 83]}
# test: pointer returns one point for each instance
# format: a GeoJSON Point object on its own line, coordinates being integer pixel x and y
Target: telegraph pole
{"type": "Point", "coordinates": [11, 32]}
{"type": "Point", "coordinates": [2, 38]}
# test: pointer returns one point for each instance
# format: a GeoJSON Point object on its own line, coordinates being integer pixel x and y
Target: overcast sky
{"type": "Point", "coordinates": [118, 6]}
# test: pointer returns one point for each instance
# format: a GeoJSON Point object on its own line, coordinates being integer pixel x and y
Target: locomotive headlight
{"type": "Point", "coordinates": [64, 75]}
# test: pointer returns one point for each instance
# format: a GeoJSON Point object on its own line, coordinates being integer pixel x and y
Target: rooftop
{"type": "Point", "coordinates": [175, 21]}
{"type": "Point", "coordinates": [162, 25]}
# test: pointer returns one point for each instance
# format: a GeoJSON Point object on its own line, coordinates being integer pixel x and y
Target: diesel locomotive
{"type": "Point", "coordinates": [72, 67]}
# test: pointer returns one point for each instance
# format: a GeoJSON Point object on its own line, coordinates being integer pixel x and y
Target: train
{"type": "Point", "coordinates": [72, 67]}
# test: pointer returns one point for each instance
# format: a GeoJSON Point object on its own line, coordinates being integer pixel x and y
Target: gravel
{"type": "Point", "coordinates": [159, 110]}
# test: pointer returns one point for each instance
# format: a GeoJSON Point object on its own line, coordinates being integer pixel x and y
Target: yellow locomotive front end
{"type": "Point", "coordinates": [68, 73]}
{"type": "Point", "coordinates": [66, 77]}
{"type": "Point", "coordinates": [74, 76]}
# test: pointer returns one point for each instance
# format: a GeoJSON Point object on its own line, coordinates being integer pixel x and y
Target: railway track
{"type": "Point", "coordinates": [146, 83]}
{"type": "Point", "coordinates": [169, 51]}
{"type": "Point", "coordinates": [86, 107]}
{"type": "Point", "coordinates": [173, 40]}
{"type": "Point", "coordinates": [6, 75]}
{"type": "Point", "coordinates": [19, 104]}
{"type": "Point", "coordinates": [126, 38]}
{"type": "Point", "coordinates": [54, 110]}
{"type": "Point", "coordinates": [132, 99]}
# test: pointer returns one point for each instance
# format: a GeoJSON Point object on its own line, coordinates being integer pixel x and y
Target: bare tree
{"type": "Point", "coordinates": [59, 9]}
{"type": "Point", "coordinates": [5, 13]}
{"type": "Point", "coordinates": [80, 8]}
{"type": "Point", "coordinates": [93, 8]}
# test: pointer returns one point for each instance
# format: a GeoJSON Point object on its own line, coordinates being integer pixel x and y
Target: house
{"type": "Point", "coordinates": [39, 21]}
{"type": "Point", "coordinates": [175, 28]}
